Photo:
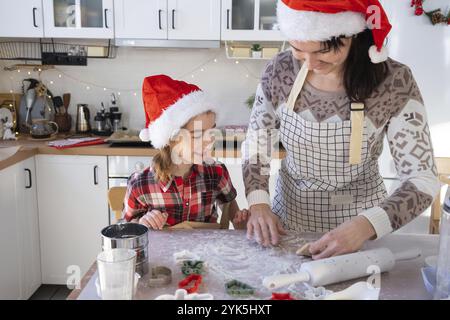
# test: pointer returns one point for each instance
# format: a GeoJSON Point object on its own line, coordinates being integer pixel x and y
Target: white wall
{"type": "Point", "coordinates": [224, 80]}
{"type": "Point", "coordinates": [426, 50]}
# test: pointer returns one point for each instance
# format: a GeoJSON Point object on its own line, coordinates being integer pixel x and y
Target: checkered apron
{"type": "Point", "coordinates": [317, 189]}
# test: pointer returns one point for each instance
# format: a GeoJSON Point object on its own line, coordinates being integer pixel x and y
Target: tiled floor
{"type": "Point", "coordinates": [51, 292]}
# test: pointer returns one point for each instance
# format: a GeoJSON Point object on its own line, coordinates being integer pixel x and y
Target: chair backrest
{"type": "Point", "coordinates": [116, 196]}
{"type": "Point", "coordinates": [443, 168]}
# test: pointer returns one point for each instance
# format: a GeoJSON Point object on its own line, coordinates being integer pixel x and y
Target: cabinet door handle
{"type": "Point", "coordinates": [228, 18]}
{"type": "Point", "coordinates": [34, 18]}
{"type": "Point", "coordinates": [106, 19]}
{"type": "Point", "coordinates": [173, 19]}
{"type": "Point", "coordinates": [30, 182]}
{"type": "Point", "coordinates": [96, 175]}
{"type": "Point", "coordinates": [159, 19]}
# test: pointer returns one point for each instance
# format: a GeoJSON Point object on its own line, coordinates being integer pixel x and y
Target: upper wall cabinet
{"type": "Point", "coordinates": [167, 19]}
{"type": "Point", "coordinates": [140, 19]}
{"type": "Point", "coordinates": [79, 19]}
{"type": "Point", "coordinates": [250, 20]}
{"type": "Point", "coordinates": [21, 19]}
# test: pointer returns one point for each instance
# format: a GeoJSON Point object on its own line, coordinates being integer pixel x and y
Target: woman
{"type": "Point", "coordinates": [347, 96]}
{"type": "Point", "coordinates": [179, 185]}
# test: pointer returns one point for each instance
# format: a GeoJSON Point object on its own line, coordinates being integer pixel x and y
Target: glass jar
{"type": "Point", "coordinates": [443, 265]}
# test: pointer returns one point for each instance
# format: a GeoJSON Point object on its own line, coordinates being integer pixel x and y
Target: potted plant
{"type": "Point", "coordinates": [256, 51]}
{"type": "Point", "coordinates": [250, 101]}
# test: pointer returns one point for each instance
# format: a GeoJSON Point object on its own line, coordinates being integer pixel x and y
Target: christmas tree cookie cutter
{"type": "Point", "coordinates": [238, 288]}
{"type": "Point", "coordinates": [192, 267]}
{"type": "Point", "coordinates": [160, 277]}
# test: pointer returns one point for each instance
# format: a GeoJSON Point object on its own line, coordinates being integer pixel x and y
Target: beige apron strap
{"type": "Point", "coordinates": [357, 123]}
{"type": "Point", "coordinates": [297, 87]}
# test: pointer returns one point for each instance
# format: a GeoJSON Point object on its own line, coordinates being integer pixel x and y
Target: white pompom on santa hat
{"type": "Point", "coordinates": [321, 20]}
{"type": "Point", "coordinates": [169, 104]}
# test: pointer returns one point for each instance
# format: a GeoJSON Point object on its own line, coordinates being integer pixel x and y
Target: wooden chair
{"type": "Point", "coordinates": [116, 196]}
{"type": "Point", "coordinates": [443, 168]}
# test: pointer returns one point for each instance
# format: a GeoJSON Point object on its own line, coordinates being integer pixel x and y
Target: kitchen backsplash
{"type": "Point", "coordinates": [229, 83]}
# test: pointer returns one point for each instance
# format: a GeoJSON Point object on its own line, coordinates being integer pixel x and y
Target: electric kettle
{"type": "Point", "coordinates": [83, 115]}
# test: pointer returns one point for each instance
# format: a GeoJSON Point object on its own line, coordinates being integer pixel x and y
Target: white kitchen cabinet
{"type": "Point", "coordinates": [20, 272]}
{"type": "Point", "coordinates": [10, 275]}
{"type": "Point", "coordinates": [194, 20]}
{"type": "Point", "coordinates": [73, 209]}
{"type": "Point", "coordinates": [26, 187]}
{"type": "Point", "coordinates": [79, 19]}
{"type": "Point", "coordinates": [167, 20]}
{"type": "Point", "coordinates": [21, 19]}
{"type": "Point", "coordinates": [140, 19]}
{"type": "Point", "coordinates": [250, 20]}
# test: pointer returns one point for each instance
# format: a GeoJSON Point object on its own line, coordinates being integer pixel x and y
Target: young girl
{"type": "Point", "coordinates": [182, 184]}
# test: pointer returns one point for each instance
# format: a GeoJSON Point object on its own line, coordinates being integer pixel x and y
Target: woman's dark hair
{"type": "Point", "coordinates": [361, 76]}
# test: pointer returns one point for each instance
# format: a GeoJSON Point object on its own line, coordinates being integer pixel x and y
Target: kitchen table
{"type": "Point", "coordinates": [229, 255]}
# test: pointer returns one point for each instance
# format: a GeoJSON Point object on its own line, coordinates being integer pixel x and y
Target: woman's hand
{"type": "Point", "coordinates": [346, 238]}
{"type": "Point", "coordinates": [241, 218]}
{"type": "Point", "coordinates": [263, 225]}
{"type": "Point", "coordinates": [154, 219]}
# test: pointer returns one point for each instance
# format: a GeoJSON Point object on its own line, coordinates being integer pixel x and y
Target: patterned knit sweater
{"type": "Point", "coordinates": [395, 109]}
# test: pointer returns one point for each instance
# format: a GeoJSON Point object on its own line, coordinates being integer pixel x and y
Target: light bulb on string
{"type": "Point", "coordinates": [118, 93]}
{"type": "Point", "coordinates": [237, 62]}
{"type": "Point", "coordinates": [59, 76]}
{"type": "Point", "coordinates": [51, 82]}
{"type": "Point", "coordinates": [29, 72]}
{"type": "Point", "coordinates": [18, 70]}
{"type": "Point", "coordinates": [215, 60]}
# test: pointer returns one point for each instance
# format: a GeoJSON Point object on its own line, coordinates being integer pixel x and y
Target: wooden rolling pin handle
{"type": "Point", "coordinates": [281, 280]}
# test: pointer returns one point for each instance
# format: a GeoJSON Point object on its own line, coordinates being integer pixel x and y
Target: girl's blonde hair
{"type": "Point", "coordinates": [162, 162]}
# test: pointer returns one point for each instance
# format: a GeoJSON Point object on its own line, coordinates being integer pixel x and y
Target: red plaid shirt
{"type": "Point", "coordinates": [190, 199]}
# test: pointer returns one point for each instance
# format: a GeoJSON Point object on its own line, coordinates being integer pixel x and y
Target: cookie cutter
{"type": "Point", "coordinates": [160, 276]}
{"type": "Point", "coordinates": [281, 296]}
{"type": "Point", "coordinates": [182, 294]}
{"type": "Point", "coordinates": [238, 288]}
{"type": "Point", "coordinates": [196, 279]}
{"type": "Point", "coordinates": [184, 255]}
{"type": "Point", "coordinates": [192, 267]}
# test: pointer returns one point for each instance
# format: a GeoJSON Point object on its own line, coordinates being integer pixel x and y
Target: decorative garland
{"type": "Point", "coordinates": [436, 16]}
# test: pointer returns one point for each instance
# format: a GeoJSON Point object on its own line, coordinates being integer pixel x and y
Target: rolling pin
{"type": "Point", "coordinates": [341, 268]}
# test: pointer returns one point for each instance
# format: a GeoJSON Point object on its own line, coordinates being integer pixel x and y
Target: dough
{"type": "Point", "coordinates": [304, 250]}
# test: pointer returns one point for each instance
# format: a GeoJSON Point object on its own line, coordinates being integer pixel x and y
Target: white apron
{"type": "Point", "coordinates": [317, 189]}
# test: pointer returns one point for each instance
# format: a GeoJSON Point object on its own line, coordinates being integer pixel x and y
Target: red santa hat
{"type": "Point", "coordinates": [321, 20]}
{"type": "Point", "coordinates": [169, 104]}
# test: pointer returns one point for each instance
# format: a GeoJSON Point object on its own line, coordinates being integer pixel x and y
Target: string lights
{"type": "Point", "coordinates": [59, 75]}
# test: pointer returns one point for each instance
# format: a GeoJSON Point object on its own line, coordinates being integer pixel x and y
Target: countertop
{"type": "Point", "coordinates": [30, 147]}
{"type": "Point", "coordinates": [228, 254]}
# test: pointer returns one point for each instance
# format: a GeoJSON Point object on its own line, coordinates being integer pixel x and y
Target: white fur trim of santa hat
{"type": "Point", "coordinates": [378, 56]}
{"type": "Point", "coordinates": [169, 123]}
{"type": "Point", "coordinates": [318, 26]}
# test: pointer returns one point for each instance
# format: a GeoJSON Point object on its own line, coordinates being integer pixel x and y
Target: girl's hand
{"type": "Point", "coordinates": [346, 238]}
{"type": "Point", "coordinates": [264, 226]}
{"type": "Point", "coordinates": [241, 216]}
{"type": "Point", "coordinates": [154, 219]}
